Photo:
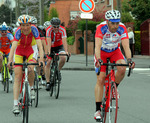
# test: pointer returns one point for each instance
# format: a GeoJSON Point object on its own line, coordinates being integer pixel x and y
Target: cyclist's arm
{"type": "Point", "coordinates": [12, 50]}
{"type": "Point", "coordinates": [98, 44]}
{"type": "Point", "coordinates": [64, 40]}
{"type": "Point", "coordinates": [125, 44]}
{"type": "Point", "coordinates": [39, 44]}
{"type": "Point", "coordinates": [48, 45]}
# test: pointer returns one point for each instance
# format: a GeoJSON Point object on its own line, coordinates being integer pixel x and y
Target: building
{"type": "Point", "coordinates": [68, 9]}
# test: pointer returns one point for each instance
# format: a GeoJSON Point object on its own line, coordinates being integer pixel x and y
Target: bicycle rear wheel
{"type": "Point", "coordinates": [113, 109]}
{"type": "Point", "coordinates": [26, 105]}
{"type": "Point", "coordinates": [56, 84]}
{"type": "Point", "coordinates": [7, 79]}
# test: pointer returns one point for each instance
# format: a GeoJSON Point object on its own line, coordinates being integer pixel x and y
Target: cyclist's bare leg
{"type": "Point", "coordinates": [1, 59]}
{"type": "Point", "coordinates": [120, 71]}
{"type": "Point", "coordinates": [17, 81]}
{"type": "Point", "coordinates": [62, 61]}
{"type": "Point", "coordinates": [31, 74]}
{"type": "Point", "coordinates": [47, 69]}
{"type": "Point", "coordinates": [99, 87]}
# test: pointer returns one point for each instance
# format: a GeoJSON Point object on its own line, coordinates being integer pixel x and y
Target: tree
{"type": "Point", "coordinates": [140, 9]}
{"type": "Point", "coordinates": [5, 14]}
{"type": "Point", "coordinates": [53, 13]}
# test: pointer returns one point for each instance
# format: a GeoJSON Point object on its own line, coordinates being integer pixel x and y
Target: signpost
{"type": "Point", "coordinates": [86, 6]}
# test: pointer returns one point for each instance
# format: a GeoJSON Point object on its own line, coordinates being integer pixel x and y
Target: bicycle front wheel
{"type": "Point", "coordinates": [7, 79]}
{"type": "Point", "coordinates": [26, 105]}
{"type": "Point", "coordinates": [113, 109]}
{"type": "Point", "coordinates": [56, 84]}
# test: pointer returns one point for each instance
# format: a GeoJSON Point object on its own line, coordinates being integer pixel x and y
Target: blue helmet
{"type": "Point", "coordinates": [4, 26]}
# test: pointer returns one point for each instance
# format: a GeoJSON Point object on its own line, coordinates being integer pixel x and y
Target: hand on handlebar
{"type": "Point", "coordinates": [131, 63]}
{"type": "Point", "coordinates": [98, 63]}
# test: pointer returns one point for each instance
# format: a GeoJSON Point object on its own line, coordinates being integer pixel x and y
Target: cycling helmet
{"type": "Point", "coordinates": [4, 26]}
{"type": "Point", "coordinates": [33, 20]}
{"type": "Point", "coordinates": [55, 21]}
{"type": "Point", "coordinates": [17, 24]}
{"type": "Point", "coordinates": [113, 15]}
{"type": "Point", "coordinates": [10, 29]}
{"type": "Point", "coordinates": [40, 28]}
{"type": "Point", "coordinates": [47, 24]}
{"type": "Point", "coordinates": [24, 19]}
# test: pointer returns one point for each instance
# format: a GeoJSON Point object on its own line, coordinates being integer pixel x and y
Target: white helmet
{"type": "Point", "coordinates": [33, 20]}
{"type": "Point", "coordinates": [113, 15]}
{"type": "Point", "coordinates": [47, 24]}
{"type": "Point", "coordinates": [24, 19]}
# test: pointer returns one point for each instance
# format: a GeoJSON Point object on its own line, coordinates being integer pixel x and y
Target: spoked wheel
{"type": "Point", "coordinates": [103, 110]}
{"type": "Point", "coordinates": [52, 79]}
{"type": "Point", "coordinates": [56, 84]}
{"type": "Point", "coordinates": [36, 86]}
{"type": "Point", "coordinates": [3, 78]}
{"type": "Point", "coordinates": [26, 105]}
{"type": "Point", "coordinates": [113, 110]}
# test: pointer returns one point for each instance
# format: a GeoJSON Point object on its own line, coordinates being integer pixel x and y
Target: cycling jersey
{"type": "Point", "coordinates": [110, 40]}
{"type": "Point", "coordinates": [5, 43]}
{"type": "Point", "coordinates": [26, 44]}
{"type": "Point", "coordinates": [56, 37]}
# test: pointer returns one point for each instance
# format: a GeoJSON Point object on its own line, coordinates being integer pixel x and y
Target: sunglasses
{"type": "Point", "coordinates": [56, 26]}
{"type": "Point", "coordinates": [4, 31]}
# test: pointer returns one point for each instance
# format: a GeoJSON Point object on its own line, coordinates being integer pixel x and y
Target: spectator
{"type": "Point", "coordinates": [131, 40]}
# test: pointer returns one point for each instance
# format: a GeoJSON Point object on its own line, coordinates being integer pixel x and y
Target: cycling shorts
{"type": "Point", "coordinates": [113, 56]}
{"type": "Point", "coordinates": [4, 51]}
{"type": "Point", "coordinates": [30, 56]}
{"type": "Point", "coordinates": [58, 49]}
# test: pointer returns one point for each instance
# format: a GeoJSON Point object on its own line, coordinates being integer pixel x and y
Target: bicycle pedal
{"type": "Point", "coordinates": [99, 120]}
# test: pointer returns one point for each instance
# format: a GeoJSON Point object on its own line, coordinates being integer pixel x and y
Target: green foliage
{"type": "Point", "coordinates": [53, 13]}
{"type": "Point", "coordinates": [5, 14]}
{"type": "Point", "coordinates": [68, 31]}
{"type": "Point", "coordinates": [126, 17]}
{"type": "Point", "coordinates": [137, 42]}
{"type": "Point", "coordinates": [140, 9]}
{"type": "Point", "coordinates": [91, 25]}
{"type": "Point", "coordinates": [70, 40]}
{"type": "Point", "coordinates": [46, 16]}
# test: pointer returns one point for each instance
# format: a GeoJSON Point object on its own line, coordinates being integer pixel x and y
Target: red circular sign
{"type": "Point", "coordinates": [86, 5]}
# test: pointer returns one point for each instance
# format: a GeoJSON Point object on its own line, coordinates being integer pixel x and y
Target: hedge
{"type": "Point", "coordinates": [70, 40]}
{"type": "Point", "coordinates": [137, 42]}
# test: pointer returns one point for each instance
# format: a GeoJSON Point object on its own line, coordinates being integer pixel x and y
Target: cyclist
{"type": "Point", "coordinates": [5, 41]}
{"type": "Point", "coordinates": [108, 34]}
{"type": "Point", "coordinates": [56, 39]}
{"type": "Point", "coordinates": [25, 44]}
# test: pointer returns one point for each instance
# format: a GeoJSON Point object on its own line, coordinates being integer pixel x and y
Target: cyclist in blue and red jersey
{"type": "Point", "coordinates": [57, 42]}
{"type": "Point", "coordinates": [26, 44]}
{"type": "Point", "coordinates": [108, 34]}
{"type": "Point", "coordinates": [6, 38]}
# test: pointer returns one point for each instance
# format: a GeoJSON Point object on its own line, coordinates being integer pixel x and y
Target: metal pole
{"type": "Point", "coordinates": [86, 42]}
{"type": "Point", "coordinates": [112, 4]}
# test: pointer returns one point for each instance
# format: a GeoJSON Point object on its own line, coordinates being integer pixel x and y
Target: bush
{"type": "Point", "coordinates": [70, 40]}
{"type": "Point", "coordinates": [137, 42]}
{"type": "Point", "coordinates": [91, 25]}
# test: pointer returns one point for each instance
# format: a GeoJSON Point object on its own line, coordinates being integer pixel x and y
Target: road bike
{"type": "Point", "coordinates": [110, 98]}
{"type": "Point", "coordinates": [5, 73]}
{"type": "Point", "coordinates": [24, 99]}
{"type": "Point", "coordinates": [55, 77]}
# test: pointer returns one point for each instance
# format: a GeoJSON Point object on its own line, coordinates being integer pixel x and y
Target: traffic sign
{"type": "Point", "coordinates": [86, 5]}
{"type": "Point", "coordinates": [86, 15]}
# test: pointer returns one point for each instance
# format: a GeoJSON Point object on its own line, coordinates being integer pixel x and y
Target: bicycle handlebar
{"type": "Point", "coordinates": [114, 64]}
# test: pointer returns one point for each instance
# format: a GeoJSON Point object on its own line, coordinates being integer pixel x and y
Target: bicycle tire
{"type": "Point", "coordinates": [56, 84]}
{"type": "Point", "coordinates": [36, 86]}
{"type": "Point", "coordinates": [26, 105]}
{"type": "Point", "coordinates": [52, 80]}
{"type": "Point", "coordinates": [113, 109]}
{"type": "Point", "coordinates": [3, 78]}
{"type": "Point", "coordinates": [7, 79]}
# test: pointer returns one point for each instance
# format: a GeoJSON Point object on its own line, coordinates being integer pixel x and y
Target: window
{"type": "Point", "coordinates": [52, 1]}
{"type": "Point", "coordinates": [74, 14]}
{"type": "Point", "coordinates": [109, 2]}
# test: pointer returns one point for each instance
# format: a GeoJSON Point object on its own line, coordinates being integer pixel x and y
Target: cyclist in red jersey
{"type": "Point", "coordinates": [5, 43]}
{"type": "Point", "coordinates": [57, 42]}
{"type": "Point", "coordinates": [26, 44]}
{"type": "Point", "coordinates": [108, 34]}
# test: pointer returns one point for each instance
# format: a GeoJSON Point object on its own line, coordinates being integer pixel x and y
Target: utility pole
{"type": "Point", "coordinates": [41, 7]}
{"type": "Point", "coordinates": [17, 9]}
{"type": "Point", "coordinates": [119, 5]}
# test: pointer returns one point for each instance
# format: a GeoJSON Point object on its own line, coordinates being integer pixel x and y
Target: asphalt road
{"type": "Point", "coordinates": [76, 103]}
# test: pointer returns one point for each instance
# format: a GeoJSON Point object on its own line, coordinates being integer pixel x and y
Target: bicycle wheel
{"type": "Point", "coordinates": [3, 78]}
{"type": "Point", "coordinates": [52, 79]}
{"type": "Point", "coordinates": [36, 84]}
{"type": "Point", "coordinates": [113, 109]}
{"type": "Point", "coordinates": [7, 79]}
{"type": "Point", "coordinates": [56, 84]}
{"type": "Point", "coordinates": [26, 105]}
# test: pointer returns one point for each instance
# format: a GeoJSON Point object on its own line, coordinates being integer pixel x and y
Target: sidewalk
{"type": "Point", "coordinates": [78, 62]}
